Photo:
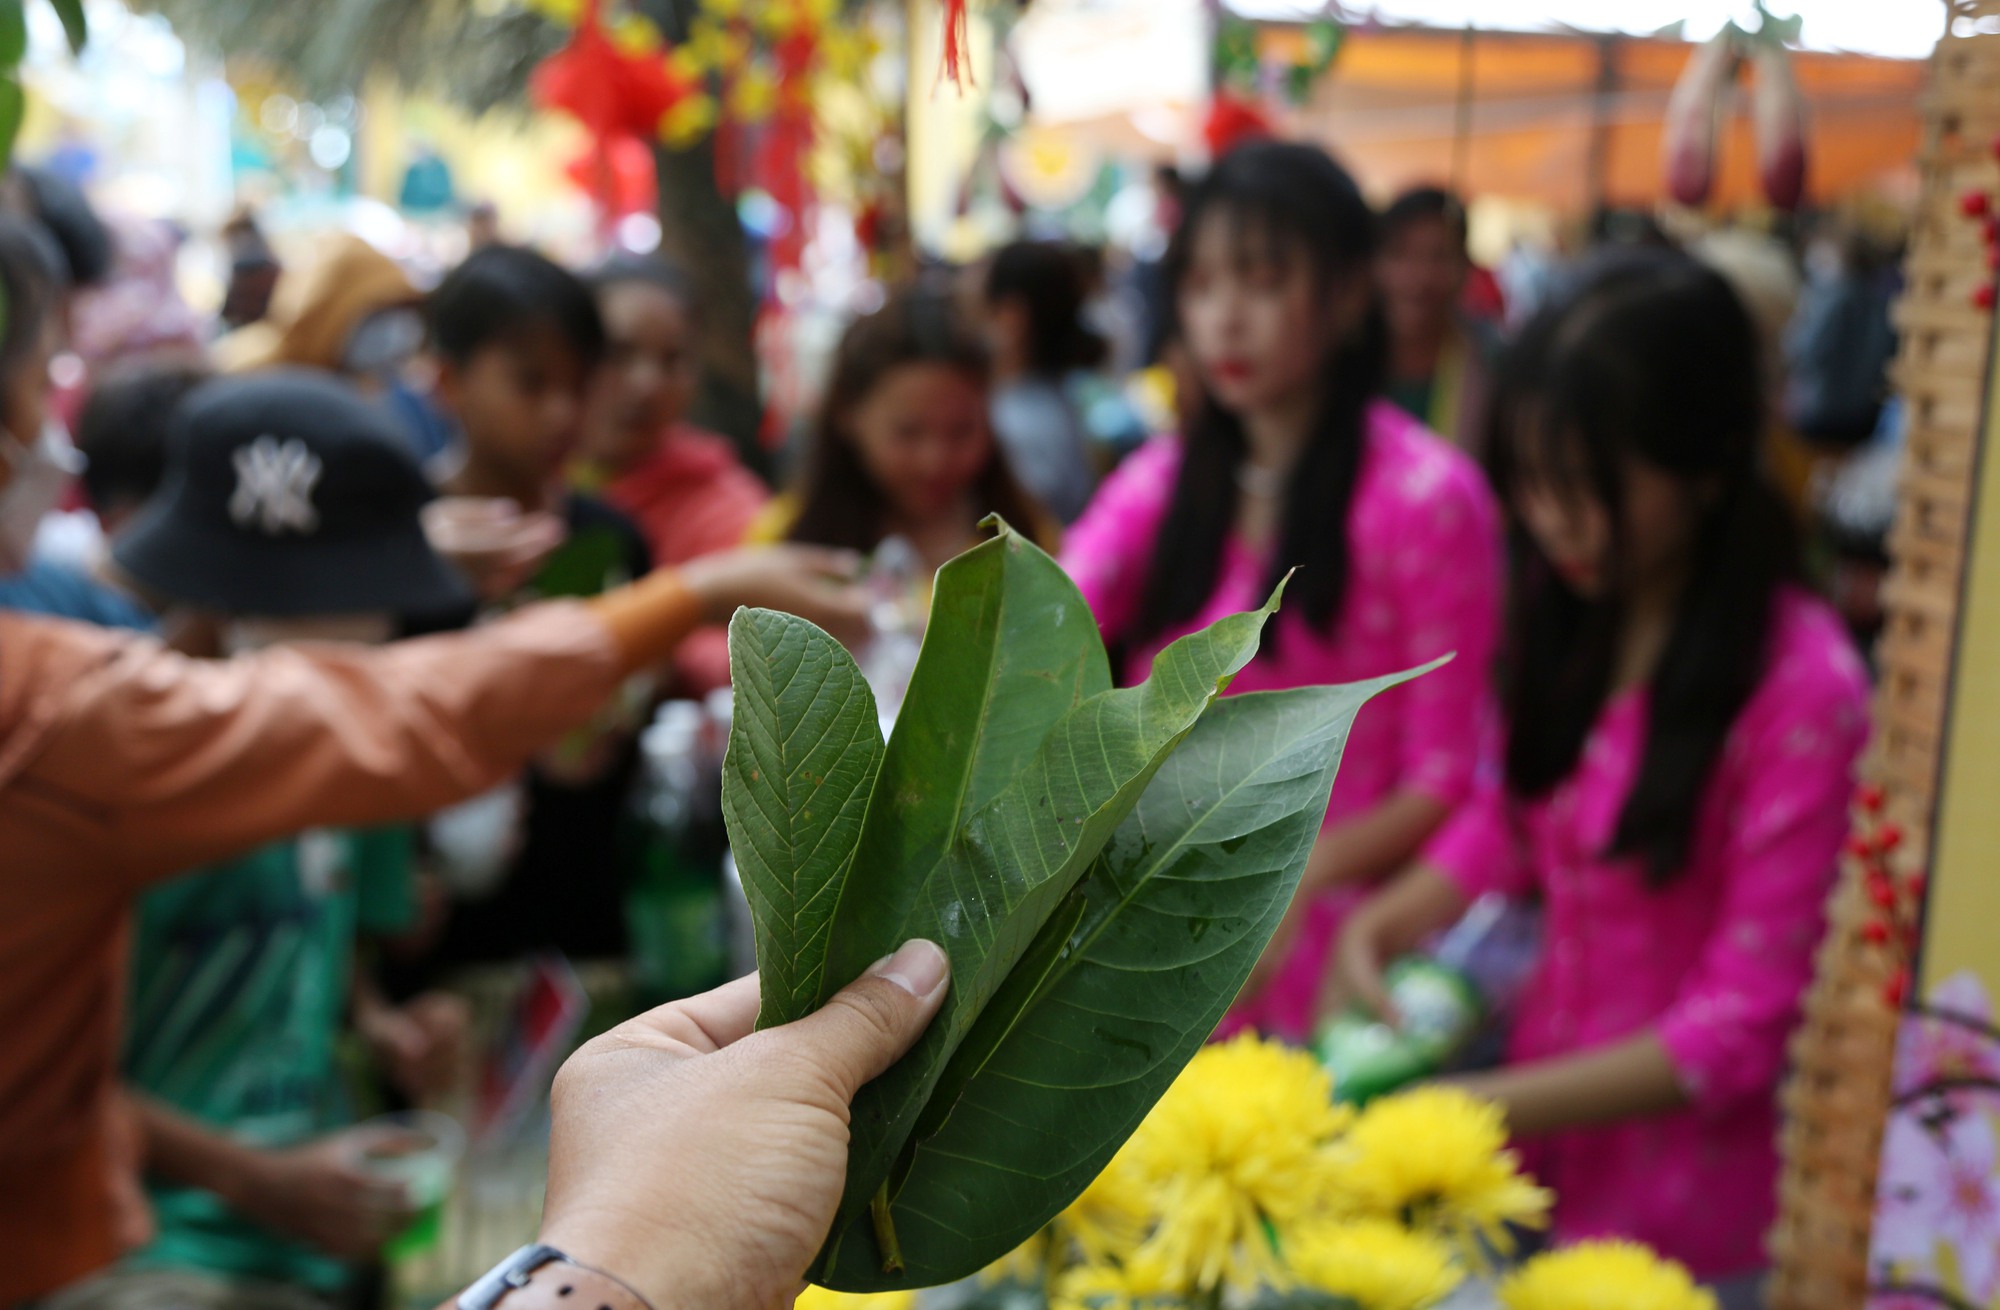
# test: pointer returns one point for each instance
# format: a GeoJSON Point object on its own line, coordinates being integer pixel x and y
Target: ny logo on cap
{"type": "Point", "coordinates": [274, 487]}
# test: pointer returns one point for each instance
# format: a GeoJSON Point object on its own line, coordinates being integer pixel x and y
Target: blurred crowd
{"type": "Point", "coordinates": [403, 659]}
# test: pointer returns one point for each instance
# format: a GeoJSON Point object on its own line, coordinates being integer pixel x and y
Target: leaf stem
{"type": "Point", "coordinates": [885, 1230]}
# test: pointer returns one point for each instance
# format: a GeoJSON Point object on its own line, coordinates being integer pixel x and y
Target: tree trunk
{"type": "Point", "coordinates": [699, 231]}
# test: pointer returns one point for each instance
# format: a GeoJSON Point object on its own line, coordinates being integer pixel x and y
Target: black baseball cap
{"type": "Point", "coordinates": [287, 494]}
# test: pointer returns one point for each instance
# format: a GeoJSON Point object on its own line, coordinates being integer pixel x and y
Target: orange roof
{"type": "Point", "coordinates": [1389, 109]}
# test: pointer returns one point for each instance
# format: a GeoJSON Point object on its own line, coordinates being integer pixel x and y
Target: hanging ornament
{"type": "Point", "coordinates": [957, 60]}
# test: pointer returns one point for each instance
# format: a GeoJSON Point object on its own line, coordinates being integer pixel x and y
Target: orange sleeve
{"type": "Point", "coordinates": [135, 762]}
{"type": "Point", "coordinates": [648, 619]}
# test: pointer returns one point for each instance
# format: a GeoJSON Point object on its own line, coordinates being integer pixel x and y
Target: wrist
{"type": "Point", "coordinates": [238, 1175]}
{"type": "Point", "coordinates": [679, 1272]}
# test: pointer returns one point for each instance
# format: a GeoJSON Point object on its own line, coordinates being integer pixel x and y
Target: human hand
{"type": "Point", "coordinates": [812, 582]}
{"type": "Point", "coordinates": [1360, 955]}
{"type": "Point", "coordinates": [491, 541]}
{"type": "Point", "coordinates": [319, 1194]}
{"type": "Point", "coordinates": [701, 1163]}
{"type": "Point", "coordinates": [424, 1044]}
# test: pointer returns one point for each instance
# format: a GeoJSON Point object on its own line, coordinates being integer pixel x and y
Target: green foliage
{"type": "Point", "coordinates": [1103, 866]}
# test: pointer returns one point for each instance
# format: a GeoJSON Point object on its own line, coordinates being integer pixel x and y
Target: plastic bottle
{"type": "Point", "coordinates": [674, 909]}
{"type": "Point", "coordinates": [1470, 976]}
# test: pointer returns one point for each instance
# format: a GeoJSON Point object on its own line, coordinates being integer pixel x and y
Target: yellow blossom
{"type": "Point", "coordinates": [1027, 1263]}
{"type": "Point", "coordinates": [1114, 1213]}
{"type": "Point", "coordinates": [819, 1298]}
{"type": "Point", "coordinates": [1605, 1275]}
{"type": "Point", "coordinates": [1374, 1264]}
{"type": "Point", "coordinates": [1436, 1158]}
{"type": "Point", "coordinates": [723, 10]}
{"type": "Point", "coordinates": [688, 121]}
{"type": "Point", "coordinates": [635, 34]}
{"type": "Point", "coordinates": [1237, 1147]}
{"type": "Point", "coordinates": [846, 53]}
{"type": "Point", "coordinates": [565, 12]}
{"type": "Point", "coordinates": [753, 95]}
{"type": "Point", "coordinates": [1135, 1284]}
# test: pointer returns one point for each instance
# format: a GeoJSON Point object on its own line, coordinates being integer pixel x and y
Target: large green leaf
{"type": "Point", "coordinates": [74, 27]}
{"type": "Point", "coordinates": [13, 34]}
{"type": "Point", "coordinates": [1122, 988]}
{"type": "Point", "coordinates": [12, 106]}
{"type": "Point", "coordinates": [1010, 648]}
{"type": "Point", "coordinates": [984, 883]}
{"type": "Point", "coordinates": [804, 748]}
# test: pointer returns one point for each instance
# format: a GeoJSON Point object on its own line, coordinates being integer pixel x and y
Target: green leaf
{"type": "Point", "coordinates": [988, 882]}
{"type": "Point", "coordinates": [1120, 990]}
{"type": "Point", "coordinates": [1009, 649]}
{"type": "Point", "coordinates": [13, 34]}
{"type": "Point", "coordinates": [804, 748]}
{"type": "Point", "coordinates": [74, 27]}
{"type": "Point", "coordinates": [13, 106]}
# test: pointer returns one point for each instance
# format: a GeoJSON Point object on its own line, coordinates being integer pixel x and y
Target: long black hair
{"type": "Point", "coordinates": [1047, 277]}
{"type": "Point", "coordinates": [1651, 358]}
{"type": "Point", "coordinates": [839, 503]}
{"type": "Point", "coordinates": [1303, 206]}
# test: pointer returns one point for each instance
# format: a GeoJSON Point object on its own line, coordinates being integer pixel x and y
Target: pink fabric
{"type": "Point", "coordinates": [1715, 962]}
{"type": "Point", "coordinates": [1424, 579]}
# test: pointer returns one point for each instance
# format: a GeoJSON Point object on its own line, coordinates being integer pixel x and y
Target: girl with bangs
{"type": "Point", "coordinates": [1682, 722]}
{"type": "Point", "coordinates": [1294, 460]}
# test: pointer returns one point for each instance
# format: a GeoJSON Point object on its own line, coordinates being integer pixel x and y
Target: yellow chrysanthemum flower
{"type": "Point", "coordinates": [1237, 1146]}
{"type": "Point", "coordinates": [1605, 1275]}
{"type": "Point", "coordinates": [1373, 1263]}
{"type": "Point", "coordinates": [1436, 1158]}
{"type": "Point", "coordinates": [688, 121]}
{"type": "Point", "coordinates": [1114, 1213]}
{"type": "Point", "coordinates": [1136, 1284]}
{"type": "Point", "coordinates": [819, 1298]}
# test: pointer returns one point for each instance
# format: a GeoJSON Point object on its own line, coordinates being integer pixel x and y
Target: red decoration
{"type": "Point", "coordinates": [1876, 932]}
{"type": "Point", "coordinates": [619, 174]}
{"type": "Point", "coordinates": [1869, 797]}
{"type": "Point", "coordinates": [1897, 989]}
{"type": "Point", "coordinates": [1990, 230]}
{"type": "Point", "coordinates": [1888, 837]}
{"type": "Point", "coordinates": [611, 92]}
{"type": "Point", "coordinates": [1231, 121]}
{"type": "Point", "coordinates": [1982, 296]}
{"type": "Point", "coordinates": [1880, 890]}
{"type": "Point", "coordinates": [957, 44]}
{"type": "Point", "coordinates": [1975, 204]}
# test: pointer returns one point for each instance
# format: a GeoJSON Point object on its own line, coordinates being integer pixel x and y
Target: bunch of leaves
{"type": "Point", "coordinates": [1103, 866]}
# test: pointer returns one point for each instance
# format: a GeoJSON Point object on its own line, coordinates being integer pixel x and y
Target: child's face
{"type": "Point", "coordinates": [649, 379]}
{"type": "Point", "coordinates": [922, 434]}
{"type": "Point", "coordinates": [1421, 271]}
{"type": "Point", "coordinates": [1256, 320]}
{"type": "Point", "coordinates": [520, 404]}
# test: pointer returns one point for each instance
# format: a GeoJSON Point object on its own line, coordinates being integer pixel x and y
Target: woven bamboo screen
{"type": "Point", "coordinates": [1839, 1091]}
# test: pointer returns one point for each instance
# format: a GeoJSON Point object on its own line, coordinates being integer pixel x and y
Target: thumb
{"type": "Point", "coordinates": [871, 1022]}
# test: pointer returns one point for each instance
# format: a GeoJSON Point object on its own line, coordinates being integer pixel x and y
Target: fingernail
{"type": "Point", "coordinates": [919, 968]}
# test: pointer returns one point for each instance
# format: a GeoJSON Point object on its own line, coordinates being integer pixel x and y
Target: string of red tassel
{"type": "Point", "coordinates": [957, 44]}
